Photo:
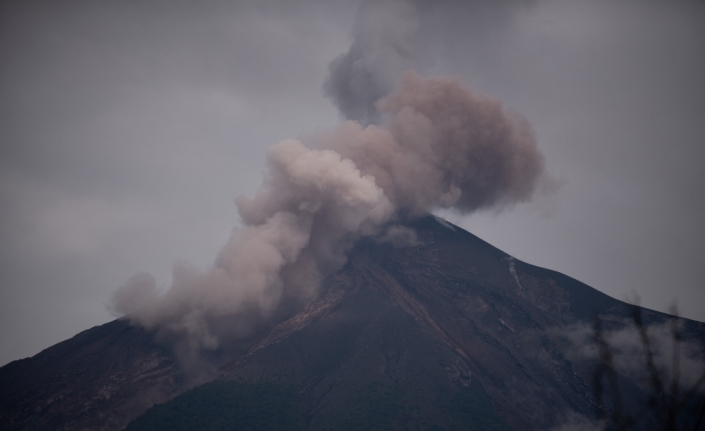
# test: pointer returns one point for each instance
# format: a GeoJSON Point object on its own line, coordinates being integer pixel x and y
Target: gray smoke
{"type": "Point", "coordinates": [399, 236]}
{"type": "Point", "coordinates": [383, 44]}
{"type": "Point", "coordinates": [439, 146]}
{"type": "Point", "coordinates": [139, 290]}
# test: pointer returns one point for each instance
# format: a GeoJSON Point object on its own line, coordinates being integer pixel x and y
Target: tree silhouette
{"type": "Point", "coordinates": [671, 407]}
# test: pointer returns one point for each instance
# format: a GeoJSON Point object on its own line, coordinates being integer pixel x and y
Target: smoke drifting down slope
{"type": "Point", "coordinates": [439, 145]}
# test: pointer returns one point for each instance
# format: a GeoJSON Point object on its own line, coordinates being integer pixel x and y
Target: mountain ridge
{"type": "Point", "coordinates": [480, 320]}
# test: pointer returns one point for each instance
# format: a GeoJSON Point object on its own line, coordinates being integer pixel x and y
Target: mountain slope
{"type": "Point", "coordinates": [449, 333]}
{"type": "Point", "coordinates": [429, 321]}
{"type": "Point", "coordinates": [98, 379]}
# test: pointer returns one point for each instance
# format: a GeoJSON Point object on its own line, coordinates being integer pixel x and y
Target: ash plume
{"type": "Point", "coordinates": [309, 210]}
{"type": "Point", "coordinates": [439, 146]}
{"type": "Point", "coordinates": [443, 146]}
{"type": "Point", "coordinates": [429, 143]}
{"type": "Point", "coordinates": [383, 44]}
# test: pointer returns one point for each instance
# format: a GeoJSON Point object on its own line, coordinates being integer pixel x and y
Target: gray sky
{"type": "Point", "coordinates": [127, 128]}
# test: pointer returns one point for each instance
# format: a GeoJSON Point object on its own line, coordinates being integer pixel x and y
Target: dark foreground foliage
{"type": "Point", "coordinates": [668, 407]}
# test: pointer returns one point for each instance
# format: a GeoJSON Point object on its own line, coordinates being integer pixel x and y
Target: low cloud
{"type": "Point", "coordinates": [629, 355]}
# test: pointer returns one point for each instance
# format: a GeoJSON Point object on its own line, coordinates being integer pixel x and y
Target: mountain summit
{"type": "Point", "coordinates": [439, 330]}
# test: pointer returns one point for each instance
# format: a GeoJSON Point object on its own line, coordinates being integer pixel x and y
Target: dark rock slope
{"type": "Point", "coordinates": [97, 380]}
{"type": "Point", "coordinates": [451, 333]}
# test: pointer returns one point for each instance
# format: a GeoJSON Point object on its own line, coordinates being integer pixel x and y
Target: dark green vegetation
{"type": "Point", "coordinates": [447, 334]}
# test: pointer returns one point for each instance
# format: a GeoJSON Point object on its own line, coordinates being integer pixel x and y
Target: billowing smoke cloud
{"type": "Point", "coordinates": [434, 144]}
{"type": "Point", "coordinates": [139, 290]}
{"type": "Point", "coordinates": [381, 50]}
{"type": "Point", "coordinates": [310, 209]}
{"type": "Point", "coordinates": [444, 146]}
{"type": "Point", "coordinates": [440, 145]}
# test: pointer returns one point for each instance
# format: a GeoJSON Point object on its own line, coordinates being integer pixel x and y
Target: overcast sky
{"type": "Point", "coordinates": [127, 128]}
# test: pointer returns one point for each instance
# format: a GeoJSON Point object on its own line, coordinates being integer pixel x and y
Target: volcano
{"type": "Point", "coordinates": [445, 332]}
